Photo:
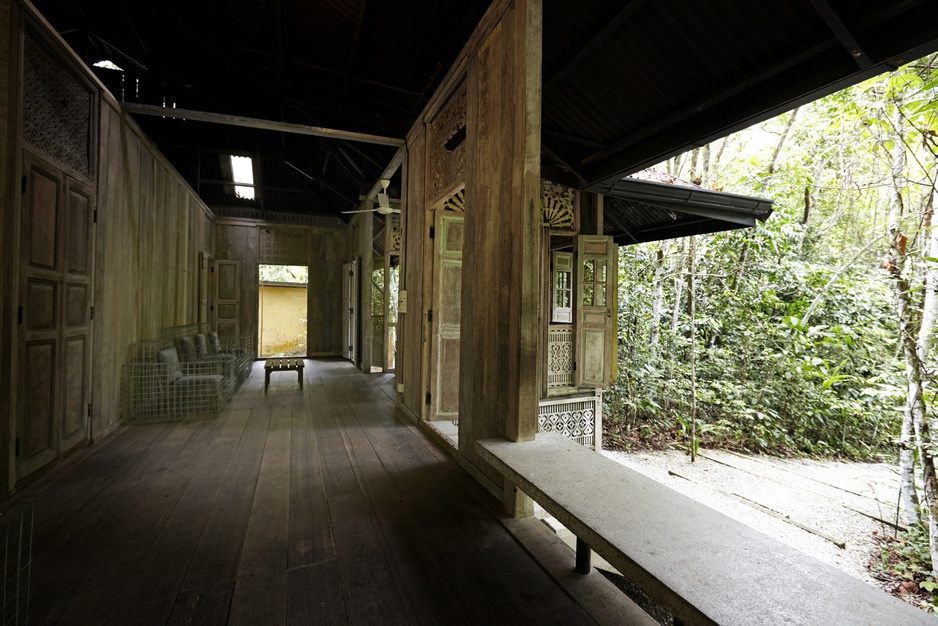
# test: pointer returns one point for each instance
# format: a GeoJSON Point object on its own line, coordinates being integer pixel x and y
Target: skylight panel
{"type": "Point", "coordinates": [108, 65]}
{"type": "Point", "coordinates": [242, 171]}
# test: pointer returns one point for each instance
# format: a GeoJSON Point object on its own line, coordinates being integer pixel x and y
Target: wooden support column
{"type": "Point", "coordinates": [9, 45]}
{"type": "Point", "coordinates": [501, 254]}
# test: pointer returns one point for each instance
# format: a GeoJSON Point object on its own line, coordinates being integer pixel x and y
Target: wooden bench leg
{"type": "Point", "coordinates": [583, 557]}
{"type": "Point", "coordinates": [299, 375]}
{"type": "Point", "coordinates": [266, 379]}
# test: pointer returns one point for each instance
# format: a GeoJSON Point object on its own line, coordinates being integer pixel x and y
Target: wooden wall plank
{"type": "Point", "coordinates": [147, 244]}
{"type": "Point", "coordinates": [412, 356]}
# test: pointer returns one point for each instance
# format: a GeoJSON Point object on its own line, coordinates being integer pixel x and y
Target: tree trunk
{"type": "Point", "coordinates": [678, 289]}
{"type": "Point", "coordinates": [657, 301]}
{"type": "Point", "coordinates": [895, 263]}
{"type": "Point", "coordinates": [691, 313]}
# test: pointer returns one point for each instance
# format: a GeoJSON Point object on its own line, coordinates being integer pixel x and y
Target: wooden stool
{"type": "Point", "coordinates": [283, 365]}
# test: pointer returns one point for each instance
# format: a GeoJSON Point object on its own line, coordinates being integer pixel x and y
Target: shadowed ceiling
{"type": "Point", "coordinates": [626, 83]}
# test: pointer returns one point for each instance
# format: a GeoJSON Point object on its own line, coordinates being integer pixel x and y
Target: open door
{"type": "Point", "coordinates": [444, 318]}
{"type": "Point", "coordinates": [597, 274]}
{"type": "Point", "coordinates": [227, 298]}
{"type": "Point", "coordinates": [350, 310]}
{"type": "Point", "coordinates": [56, 264]}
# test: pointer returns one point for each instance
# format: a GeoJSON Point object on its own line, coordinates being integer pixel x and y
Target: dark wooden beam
{"type": "Point", "coordinates": [594, 42]}
{"type": "Point", "coordinates": [250, 122]}
{"type": "Point", "coordinates": [844, 33]}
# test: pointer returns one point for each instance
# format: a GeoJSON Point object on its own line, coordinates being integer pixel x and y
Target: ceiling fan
{"type": "Point", "coordinates": [384, 203]}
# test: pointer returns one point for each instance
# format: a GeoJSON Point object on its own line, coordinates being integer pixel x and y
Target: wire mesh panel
{"type": "Point", "coordinates": [151, 394]}
{"type": "Point", "coordinates": [16, 530]}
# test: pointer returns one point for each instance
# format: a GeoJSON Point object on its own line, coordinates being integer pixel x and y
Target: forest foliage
{"type": "Point", "coordinates": [796, 341]}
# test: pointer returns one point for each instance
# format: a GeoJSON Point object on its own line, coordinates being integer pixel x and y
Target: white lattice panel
{"type": "Point", "coordinates": [575, 418]}
{"type": "Point", "coordinates": [560, 357]}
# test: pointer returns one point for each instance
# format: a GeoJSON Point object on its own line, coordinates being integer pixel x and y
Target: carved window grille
{"type": "Point", "coordinates": [560, 357]}
{"type": "Point", "coordinates": [57, 109]}
{"type": "Point", "coordinates": [557, 206]}
{"type": "Point", "coordinates": [283, 247]}
{"type": "Point", "coordinates": [395, 234]}
{"type": "Point", "coordinates": [575, 418]}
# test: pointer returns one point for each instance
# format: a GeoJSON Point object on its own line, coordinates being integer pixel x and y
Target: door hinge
{"type": "Point", "coordinates": [432, 232]}
{"type": "Point", "coordinates": [94, 218]}
{"type": "Point", "coordinates": [89, 409]}
{"type": "Point", "coordinates": [350, 349]}
{"type": "Point", "coordinates": [19, 315]}
{"type": "Point", "coordinates": [92, 313]}
{"type": "Point", "coordinates": [23, 184]}
{"type": "Point", "coordinates": [428, 398]}
{"type": "Point", "coordinates": [212, 269]}
{"type": "Point", "coordinates": [430, 315]}
{"type": "Point", "coordinates": [17, 446]}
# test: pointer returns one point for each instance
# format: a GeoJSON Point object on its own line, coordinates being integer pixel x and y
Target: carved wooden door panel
{"type": "Point", "coordinates": [445, 316]}
{"type": "Point", "coordinates": [597, 274]}
{"type": "Point", "coordinates": [227, 298]}
{"type": "Point", "coordinates": [54, 317]}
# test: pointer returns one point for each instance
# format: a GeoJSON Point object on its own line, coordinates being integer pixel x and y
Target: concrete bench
{"type": "Point", "coordinates": [700, 565]}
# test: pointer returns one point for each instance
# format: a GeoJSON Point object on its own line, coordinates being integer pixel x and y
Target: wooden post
{"type": "Point", "coordinates": [501, 259]}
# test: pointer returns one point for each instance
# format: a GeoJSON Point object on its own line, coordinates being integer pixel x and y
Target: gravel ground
{"type": "Point", "coordinates": [822, 496]}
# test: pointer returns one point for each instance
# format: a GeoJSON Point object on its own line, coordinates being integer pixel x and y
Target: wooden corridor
{"type": "Point", "coordinates": [293, 507]}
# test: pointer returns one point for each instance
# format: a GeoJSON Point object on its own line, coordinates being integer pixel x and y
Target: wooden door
{"type": "Point", "coordinates": [204, 293]}
{"type": "Point", "coordinates": [350, 310]}
{"type": "Point", "coordinates": [597, 273]}
{"type": "Point", "coordinates": [54, 315]}
{"type": "Point", "coordinates": [444, 318]}
{"type": "Point", "coordinates": [227, 298]}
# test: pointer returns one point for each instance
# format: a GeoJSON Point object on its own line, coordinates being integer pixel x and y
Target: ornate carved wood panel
{"type": "Point", "coordinates": [446, 147]}
{"type": "Point", "coordinates": [558, 208]}
{"type": "Point", "coordinates": [560, 357]}
{"type": "Point", "coordinates": [456, 202]}
{"type": "Point", "coordinates": [57, 109]}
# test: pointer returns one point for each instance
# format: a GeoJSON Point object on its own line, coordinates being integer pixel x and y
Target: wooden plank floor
{"type": "Point", "coordinates": [292, 507]}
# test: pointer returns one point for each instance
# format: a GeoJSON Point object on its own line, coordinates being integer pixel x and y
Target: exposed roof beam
{"type": "Point", "coordinates": [594, 42]}
{"type": "Point", "coordinates": [843, 32]}
{"type": "Point", "coordinates": [388, 172]}
{"type": "Point", "coordinates": [251, 122]}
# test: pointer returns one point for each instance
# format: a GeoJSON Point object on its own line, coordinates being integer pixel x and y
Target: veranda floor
{"type": "Point", "coordinates": [293, 507]}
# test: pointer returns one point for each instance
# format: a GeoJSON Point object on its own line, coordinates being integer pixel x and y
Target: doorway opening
{"type": "Point", "coordinates": [282, 302]}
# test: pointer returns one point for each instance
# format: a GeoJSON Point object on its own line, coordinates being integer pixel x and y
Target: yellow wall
{"type": "Point", "coordinates": [282, 315]}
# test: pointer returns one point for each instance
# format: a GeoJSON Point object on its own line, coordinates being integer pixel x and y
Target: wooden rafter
{"type": "Point", "coordinates": [843, 32]}
{"type": "Point", "coordinates": [595, 41]}
{"type": "Point", "coordinates": [250, 122]}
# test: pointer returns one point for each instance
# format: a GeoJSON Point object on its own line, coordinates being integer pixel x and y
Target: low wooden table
{"type": "Point", "coordinates": [288, 364]}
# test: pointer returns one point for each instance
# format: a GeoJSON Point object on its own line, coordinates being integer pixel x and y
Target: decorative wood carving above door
{"type": "Point", "coordinates": [446, 147]}
{"type": "Point", "coordinates": [558, 209]}
{"type": "Point", "coordinates": [57, 109]}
